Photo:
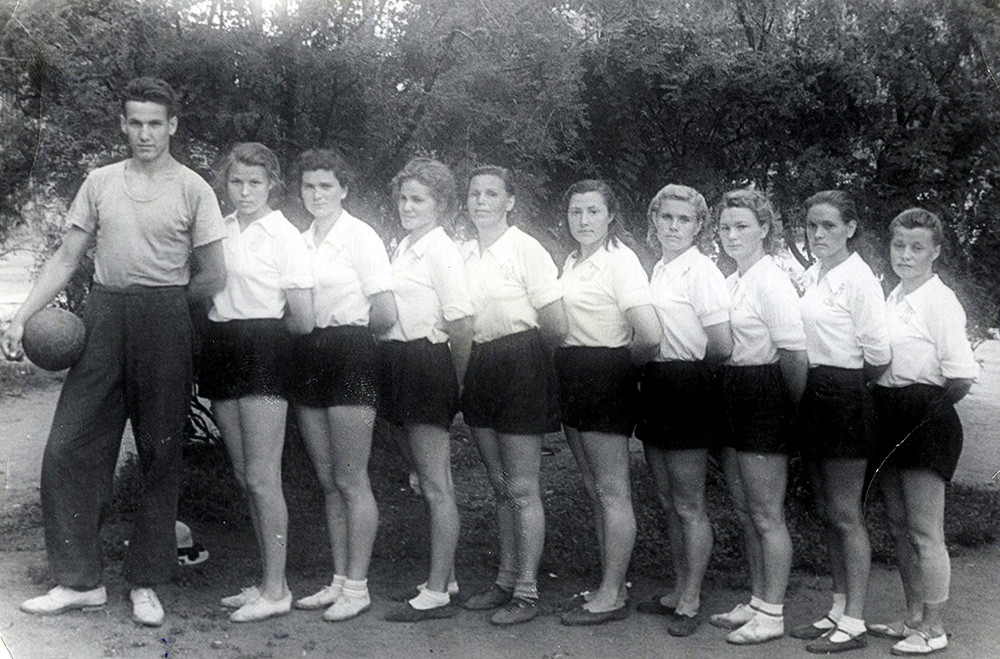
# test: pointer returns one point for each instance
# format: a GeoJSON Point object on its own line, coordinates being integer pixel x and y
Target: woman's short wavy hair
{"type": "Point", "coordinates": [501, 173]}
{"type": "Point", "coordinates": [676, 192]}
{"type": "Point", "coordinates": [756, 202]}
{"type": "Point", "coordinates": [253, 154]}
{"type": "Point", "coordinates": [919, 218]}
{"type": "Point", "coordinates": [327, 160]}
{"type": "Point", "coordinates": [438, 178]}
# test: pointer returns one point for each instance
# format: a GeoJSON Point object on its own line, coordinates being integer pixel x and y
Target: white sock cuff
{"type": "Point", "coordinates": [773, 610]}
{"type": "Point", "coordinates": [358, 586]}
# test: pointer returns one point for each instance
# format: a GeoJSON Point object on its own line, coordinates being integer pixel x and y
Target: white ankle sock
{"type": "Point", "coordinates": [356, 588]}
{"type": "Point", "coordinates": [773, 610]}
{"type": "Point", "coordinates": [839, 604]}
{"type": "Point", "coordinates": [428, 599]}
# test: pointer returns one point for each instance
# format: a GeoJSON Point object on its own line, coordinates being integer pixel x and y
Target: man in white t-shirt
{"type": "Point", "coordinates": [148, 215]}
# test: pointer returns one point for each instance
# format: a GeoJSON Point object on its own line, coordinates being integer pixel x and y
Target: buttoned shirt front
{"type": "Point", "coordinates": [765, 314]}
{"type": "Point", "coordinates": [928, 338]}
{"type": "Point", "coordinates": [844, 316]}
{"type": "Point", "coordinates": [262, 261]}
{"type": "Point", "coordinates": [349, 265]}
{"type": "Point", "coordinates": [597, 292]}
{"type": "Point", "coordinates": [509, 281]}
{"type": "Point", "coordinates": [429, 286]}
{"type": "Point", "coordinates": [689, 294]}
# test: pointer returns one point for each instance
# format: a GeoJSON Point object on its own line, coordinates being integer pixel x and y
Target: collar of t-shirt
{"type": "Point", "coordinates": [922, 299]}
{"type": "Point", "coordinates": [837, 275]}
{"type": "Point", "coordinates": [420, 247]}
{"type": "Point", "coordinates": [679, 265]}
{"type": "Point", "coordinates": [335, 235]}
{"type": "Point", "coordinates": [598, 261]}
{"type": "Point", "coordinates": [267, 223]}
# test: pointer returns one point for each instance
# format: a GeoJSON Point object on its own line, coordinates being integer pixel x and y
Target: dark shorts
{"type": "Point", "coordinates": [417, 383]}
{"type": "Point", "coordinates": [244, 357]}
{"type": "Point", "coordinates": [597, 389]}
{"type": "Point", "coordinates": [838, 414]}
{"type": "Point", "coordinates": [918, 429]}
{"type": "Point", "coordinates": [759, 413]}
{"type": "Point", "coordinates": [510, 386]}
{"type": "Point", "coordinates": [334, 366]}
{"type": "Point", "coordinates": [678, 406]}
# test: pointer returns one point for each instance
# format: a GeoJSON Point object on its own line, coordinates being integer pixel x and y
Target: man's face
{"type": "Point", "coordinates": [148, 129]}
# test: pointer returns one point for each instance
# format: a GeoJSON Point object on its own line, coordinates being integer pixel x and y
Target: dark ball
{"type": "Point", "coordinates": [54, 339]}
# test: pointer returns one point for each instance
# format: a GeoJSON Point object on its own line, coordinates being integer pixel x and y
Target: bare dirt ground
{"type": "Point", "coordinates": [197, 626]}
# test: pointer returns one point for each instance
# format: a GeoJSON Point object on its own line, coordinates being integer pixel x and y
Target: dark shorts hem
{"type": "Point", "coordinates": [597, 389]}
{"type": "Point", "coordinates": [244, 357]}
{"type": "Point", "coordinates": [334, 366]}
{"type": "Point", "coordinates": [759, 414]}
{"type": "Point", "coordinates": [510, 386]}
{"type": "Point", "coordinates": [837, 414]}
{"type": "Point", "coordinates": [918, 429]}
{"type": "Point", "coordinates": [678, 406]}
{"type": "Point", "coordinates": [417, 383]}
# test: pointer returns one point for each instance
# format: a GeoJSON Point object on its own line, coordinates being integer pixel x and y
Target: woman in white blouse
{"type": "Point", "coordinates": [762, 381]}
{"type": "Point", "coordinates": [612, 328]}
{"type": "Point", "coordinates": [920, 434]}
{"type": "Point", "coordinates": [691, 299]}
{"type": "Point", "coordinates": [422, 358]}
{"type": "Point", "coordinates": [335, 385]}
{"type": "Point", "coordinates": [510, 399]}
{"type": "Point", "coordinates": [243, 371]}
{"type": "Point", "coordinates": [843, 311]}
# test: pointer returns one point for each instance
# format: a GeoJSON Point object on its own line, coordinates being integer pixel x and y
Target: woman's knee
{"type": "Point", "coordinates": [437, 492]}
{"type": "Point", "coordinates": [768, 519]}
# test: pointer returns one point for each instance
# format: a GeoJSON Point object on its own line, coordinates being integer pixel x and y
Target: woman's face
{"type": "Point", "coordinates": [676, 223]}
{"type": "Point", "coordinates": [488, 201]}
{"type": "Point", "coordinates": [741, 233]}
{"type": "Point", "coordinates": [249, 187]}
{"type": "Point", "coordinates": [913, 252]}
{"type": "Point", "coordinates": [588, 217]}
{"type": "Point", "coordinates": [828, 233]}
{"type": "Point", "coordinates": [322, 193]}
{"type": "Point", "coordinates": [418, 211]}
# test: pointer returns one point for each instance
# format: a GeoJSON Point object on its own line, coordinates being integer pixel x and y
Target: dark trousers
{"type": "Point", "coordinates": [136, 367]}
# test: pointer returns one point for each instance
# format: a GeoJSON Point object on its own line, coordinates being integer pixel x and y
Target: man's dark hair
{"type": "Point", "coordinates": [151, 90]}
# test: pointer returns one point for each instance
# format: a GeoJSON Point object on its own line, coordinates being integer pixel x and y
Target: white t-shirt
{"type": "Point", "coordinates": [765, 314]}
{"type": "Point", "coordinates": [509, 281]}
{"type": "Point", "coordinates": [261, 262]}
{"type": "Point", "coordinates": [927, 334]}
{"type": "Point", "coordinates": [428, 283]}
{"type": "Point", "coordinates": [598, 291]}
{"type": "Point", "coordinates": [349, 266]}
{"type": "Point", "coordinates": [689, 294]}
{"type": "Point", "coordinates": [844, 316]}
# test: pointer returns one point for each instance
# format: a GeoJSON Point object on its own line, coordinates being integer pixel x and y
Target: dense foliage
{"type": "Point", "coordinates": [895, 100]}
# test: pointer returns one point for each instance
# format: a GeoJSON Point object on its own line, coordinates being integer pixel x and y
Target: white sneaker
{"type": "Point", "coordinates": [762, 628]}
{"type": "Point", "coordinates": [262, 609]}
{"type": "Point", "coordinates": [245, 596]}
{"type": "Point", "coordinates": [146, 608]}
{"type": "Point", "coordinates": [348, 605]}
{"type": "Point", "coordinates": [324, 598]}
{"type": "Point", "coordinates": [61, 599]}
{"type": "Point", "coordinates": [740, 615]}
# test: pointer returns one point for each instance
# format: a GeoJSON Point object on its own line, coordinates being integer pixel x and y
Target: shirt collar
{"type": "Point", "coordinates": [599, 259]}
{"type": "Point", "coordinates": [922, 298]}
{"type": "Point", "coordinates": [420, 247]}
{"type": "Point", "coordinates": [837, 275]}
{"type": "Point", "coordinates": [267, 222]}
{"type": "Point", "coordinates": [681, 263]}
{"type": "Point", "coordinates": [335, 236]}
